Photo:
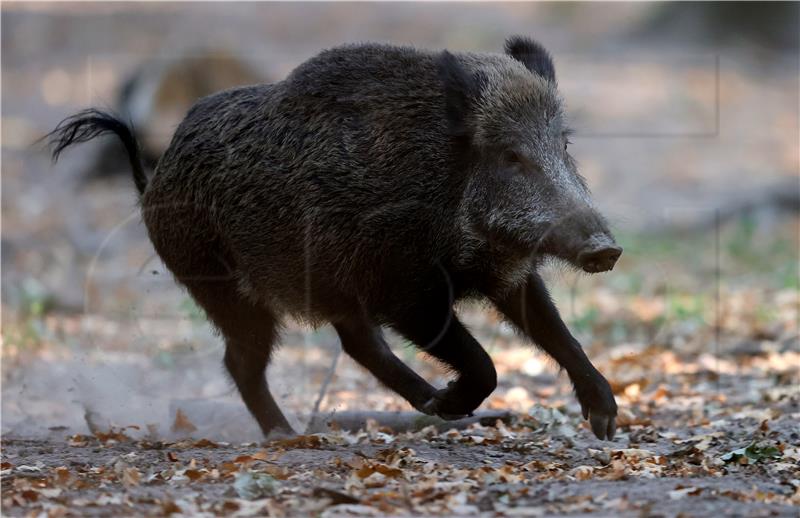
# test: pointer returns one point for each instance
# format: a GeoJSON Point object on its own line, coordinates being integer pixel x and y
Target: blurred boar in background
{"type": "Point", "coordinates": [156, 97]}
{"type": "Point", "coordinates": [377, 186]}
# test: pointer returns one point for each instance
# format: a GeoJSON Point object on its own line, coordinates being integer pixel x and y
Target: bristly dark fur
{"type": "Point", "coordinates": [91, 123]}
{"type": "Point", "coordinates": [532, 55]}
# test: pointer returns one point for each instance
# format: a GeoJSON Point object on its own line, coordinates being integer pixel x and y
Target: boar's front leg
{"type": "Point", "coordinates": [435, 328]}
{"type": "Point", "coordinates": [365, 344]}
{"type": "Point", "coordinates": [531, 309]}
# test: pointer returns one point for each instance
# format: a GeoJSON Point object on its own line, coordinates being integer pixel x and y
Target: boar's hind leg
{"type": "Point", "coordinates": [365, 344]}
{"type": "Point", "coordinates": [447, 340]}
{"type": "Point", "coordinates": [249, 331]}
{"type": "Point", "coordinates": [533, 312]}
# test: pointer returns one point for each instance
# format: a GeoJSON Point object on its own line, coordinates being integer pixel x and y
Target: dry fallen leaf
{"type": "Point", "coordinates": [169, 507]}
{"type": "Point", "coordinates": [370, 468]}
{"type": "Point", "coordinates": [582, 472]}
{"type": "Point", "coordinates": [194, 474]}
{"type": "Point", "coordinates": [131, 477]}
{"type": "Point", "coordinates": [181, 424]}
{"type": "Point", "coordinates": [299, 442]}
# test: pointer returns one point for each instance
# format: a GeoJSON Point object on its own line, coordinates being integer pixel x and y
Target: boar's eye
{"type": "Point", "coordinates": [511, 158]}
{"type": "Point", "coordinates": [565, 136]}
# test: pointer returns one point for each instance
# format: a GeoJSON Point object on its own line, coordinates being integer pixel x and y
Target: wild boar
{"type": "Point", "coordinates": [377, 186]}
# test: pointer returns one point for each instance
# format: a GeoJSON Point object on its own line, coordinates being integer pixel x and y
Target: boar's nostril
{"type": "Point", "coordinates": [599, 259]}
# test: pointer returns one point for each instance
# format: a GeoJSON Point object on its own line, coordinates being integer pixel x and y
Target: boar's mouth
{"type": "Point", "coordinates": [508, 242]}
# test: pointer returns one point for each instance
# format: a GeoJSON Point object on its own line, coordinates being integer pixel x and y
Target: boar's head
{"type": "Point", "coordinates": [523, 190]}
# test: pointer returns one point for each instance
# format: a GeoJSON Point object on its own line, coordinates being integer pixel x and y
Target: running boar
{"type": "Point", "coordinates": [377, 186]}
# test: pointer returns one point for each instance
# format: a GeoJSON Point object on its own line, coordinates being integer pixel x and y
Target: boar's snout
{"type": "Point", "coordinates": [599, 254]}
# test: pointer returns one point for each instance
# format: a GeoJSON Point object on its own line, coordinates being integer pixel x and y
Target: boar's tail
{"type": "Point", "coordinates": [88, 124]}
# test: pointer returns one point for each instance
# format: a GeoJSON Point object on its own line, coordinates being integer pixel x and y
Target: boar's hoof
{"type": "Point", "coordinates": [446, 404]}
{"type": "Point", "coordinates": [603, 426]}
{"type": "Point", "coordinates": [598, 406]}
{"type": "Point", "coordinates": [279, 434]}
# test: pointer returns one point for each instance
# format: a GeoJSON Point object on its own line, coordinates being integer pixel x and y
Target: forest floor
{"type": "Point", "coordinates": [694, 439]}
{"type": "Point", "coordinates": [660, 465]}
{"type": "Point", "coordinates": [708, 393]}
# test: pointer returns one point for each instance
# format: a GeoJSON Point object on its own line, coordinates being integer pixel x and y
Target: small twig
{"type": "Point", "coordinates": [324, 389]}
{"type": "Point", "coordinates": [90, 416]}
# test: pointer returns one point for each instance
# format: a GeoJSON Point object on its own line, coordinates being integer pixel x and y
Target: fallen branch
{"type": "Point", "coordinates": [229, 421]}
{"type": "Point", "coordinates": [403, 421]}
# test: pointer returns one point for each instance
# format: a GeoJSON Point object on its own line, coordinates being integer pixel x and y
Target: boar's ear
{"type": "Point", "coordinates": [460, 88]}
{"type": "Point", "coordinates": [532, 55]}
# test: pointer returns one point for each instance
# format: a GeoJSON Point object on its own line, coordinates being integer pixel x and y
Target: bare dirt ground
{"type": "Point", "coordinates": [715, 456]}
{"type": "Point", "coordinates": [519, 469]}
{"type": "Point", "coordinates": [114, 401]}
